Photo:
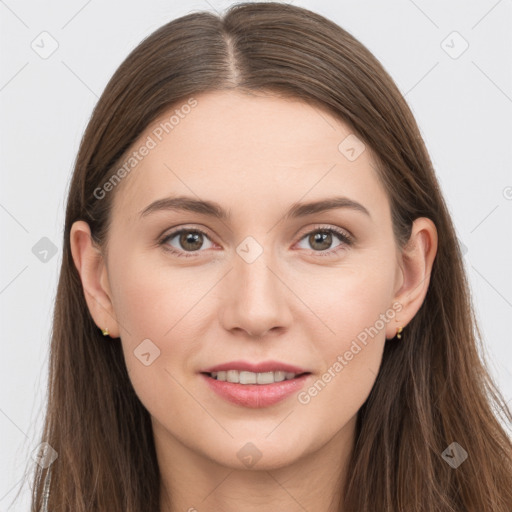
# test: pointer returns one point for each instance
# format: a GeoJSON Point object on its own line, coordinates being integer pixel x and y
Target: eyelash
{"type": "Point", "coordinates": [342, 235]}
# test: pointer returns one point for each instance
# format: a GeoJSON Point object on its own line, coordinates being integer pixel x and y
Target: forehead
{"type": "Point", "coordinates": [234, 148]}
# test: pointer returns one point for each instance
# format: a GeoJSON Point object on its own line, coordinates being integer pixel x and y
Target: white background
{"type": "Point", "coordinates": [463, 106]}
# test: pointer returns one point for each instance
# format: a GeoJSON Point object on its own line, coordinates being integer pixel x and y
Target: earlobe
{"type": "Point", "coordinates": [416, 262]}
{"type": "Point", "coordinates": [91, 267]}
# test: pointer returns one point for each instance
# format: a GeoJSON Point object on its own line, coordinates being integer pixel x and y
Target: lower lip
{"type": "Point", "coordinates": [256, 396]}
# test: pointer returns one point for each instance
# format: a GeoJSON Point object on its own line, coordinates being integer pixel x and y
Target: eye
{"type": "Point", "coordinates": [322, 238]}
{"type": "Point", "coordinates": [189, 239]}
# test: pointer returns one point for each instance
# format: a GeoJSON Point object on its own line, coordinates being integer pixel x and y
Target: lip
{"type": "Point", "coordinates": [265, 366]}
{"type": "Point", "coordinates": [255, 396]}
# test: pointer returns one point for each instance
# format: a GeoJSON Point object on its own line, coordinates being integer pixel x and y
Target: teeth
{"type": "Point", "coordinates": [248, 377]}
{"type": "Point", "coordinates": [232, 376]}
{"type": "Point", "coordinates": [243, 377]}
{"type": "Point", "coordinates": [280, 376]}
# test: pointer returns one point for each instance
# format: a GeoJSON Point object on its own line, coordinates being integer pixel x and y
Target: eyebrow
{"type": "Point", "coordinates": [213, 209]}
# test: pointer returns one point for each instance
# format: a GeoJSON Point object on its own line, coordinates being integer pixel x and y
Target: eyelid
{"type": "Point", "coordinates": [343, 234]}
{"type": "Point", "coordinates": [168, 235]}
{"type": "Point", "coordinates": [327, 227]}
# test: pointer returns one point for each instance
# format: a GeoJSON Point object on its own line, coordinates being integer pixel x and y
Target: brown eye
{"type": "Point", "coordinates": [188, 240]}
{"type": "Point", "coordinates": [320, 241]}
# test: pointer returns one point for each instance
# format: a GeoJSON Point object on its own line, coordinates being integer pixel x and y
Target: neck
{"type": "Point", "coordinates": [192, 482]}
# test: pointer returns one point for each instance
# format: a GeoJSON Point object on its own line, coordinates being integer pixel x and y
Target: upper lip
{"type": "Point", "coordinates": [265, 366]}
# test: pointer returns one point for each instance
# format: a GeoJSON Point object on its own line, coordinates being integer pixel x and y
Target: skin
{"type": "Point", "coordinates": [255, 155]}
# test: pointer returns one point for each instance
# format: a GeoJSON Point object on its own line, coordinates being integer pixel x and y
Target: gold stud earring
{"type": "Point", "coordinates": [399, 332]}
{"type": "Point", "coordinates": [105, 331]}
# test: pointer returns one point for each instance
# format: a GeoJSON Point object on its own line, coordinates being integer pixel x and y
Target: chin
{"type": "Point", "coordinates": [258, 454]}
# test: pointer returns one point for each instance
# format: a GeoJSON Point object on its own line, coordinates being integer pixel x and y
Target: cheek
{"type": "Point", "coordinates": [139, 299]}
{"type": "Point", "coordinates": [148, 298]}
{"type": "Point", "coordinates": [159, 311]}
{"type": "Point", "coordinates": [349, 303]}
{"type": "Point", "coordinates": [355, 308]}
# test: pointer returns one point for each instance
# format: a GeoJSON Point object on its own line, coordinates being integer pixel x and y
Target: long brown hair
{"type": "Point", "coordinates": [433, 387]}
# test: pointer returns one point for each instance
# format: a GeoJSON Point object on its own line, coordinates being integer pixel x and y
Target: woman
{"type": "Point", "coordinates": [262, 302]}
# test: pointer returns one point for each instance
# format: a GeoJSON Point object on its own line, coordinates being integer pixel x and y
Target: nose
{"type": "Point", "coordinates": [256, 298]}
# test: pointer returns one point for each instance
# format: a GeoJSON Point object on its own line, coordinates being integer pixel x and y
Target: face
{"type": "Point", "coordinates": [311, 289]}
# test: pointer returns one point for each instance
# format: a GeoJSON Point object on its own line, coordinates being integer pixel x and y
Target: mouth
{"type": "Point", "coordinates": [248, 378]}
{"type": "Point", "coordinates": [255, 390]}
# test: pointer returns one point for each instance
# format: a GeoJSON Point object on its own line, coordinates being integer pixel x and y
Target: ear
{"type": "Point", "coordinates": [415, 266]}
{"type": "Point", "coordinates": [91, 266]}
